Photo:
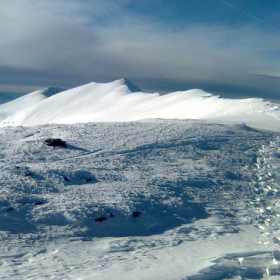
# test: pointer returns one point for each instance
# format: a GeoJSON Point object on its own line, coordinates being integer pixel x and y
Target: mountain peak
{"type": "Point", "coordinates": [121, 100]}
{"type": "Point", "coordinates": [49, 91]}
{"type": "Point", "coordinates": [132, 87]}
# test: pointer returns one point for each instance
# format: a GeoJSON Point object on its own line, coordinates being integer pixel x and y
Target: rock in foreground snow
{"type": "Point", "coordinates": [143, 200]}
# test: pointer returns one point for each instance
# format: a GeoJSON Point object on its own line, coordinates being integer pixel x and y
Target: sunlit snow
{"type": "Point", "coordinates": [181, 186]}
{"type": "Point", "coordinates": [26, 101]}
{"type": "Point", "coordinates": [122, 101]}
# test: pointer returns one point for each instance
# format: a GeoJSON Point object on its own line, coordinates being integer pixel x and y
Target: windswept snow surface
{"type": "Point", "coordinates": [122, 101]}
{"type": "Point", "coordinates": [156, 199]}
{"type": "Point", "coordinates": [150, 199]}
{"type": "Point", "coordinates": [10, 108]}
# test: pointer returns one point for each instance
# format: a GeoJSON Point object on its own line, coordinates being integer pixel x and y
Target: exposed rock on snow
{"type": "Point", "coordinates": [85, 176]}
{"type": "Point", "coordinates": [55, 142]}
{"type": "Point", "coordinates": [100, 219]}
{"type": "Point", "coordinates": [153, 199]}
{"type": "Point", "coordinates": [204, 191]}
{"type": "Point", "coordinates": [136, 214]}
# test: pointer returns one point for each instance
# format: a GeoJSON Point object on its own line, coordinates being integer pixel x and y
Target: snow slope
{"type": "Point", "coordinates": [122, 101]}
{"type": "Point", "coordinates": [157, 199]}
{"type": "Point", "coordinates": [10, 108]}
{"type": "Point", "coordinates": [150, 199]}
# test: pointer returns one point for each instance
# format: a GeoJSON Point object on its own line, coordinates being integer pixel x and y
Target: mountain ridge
{"type": "Point", "coordinates": [122, 101]}
{"type": "Point", "coordinates": [16, 105]}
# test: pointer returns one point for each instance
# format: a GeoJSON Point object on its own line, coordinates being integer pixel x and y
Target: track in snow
{"type": "Point", "coordinates": [174, 173]}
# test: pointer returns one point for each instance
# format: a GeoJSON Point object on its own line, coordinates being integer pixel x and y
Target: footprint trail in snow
{"type": "Point", "coordinates": [125, 198]}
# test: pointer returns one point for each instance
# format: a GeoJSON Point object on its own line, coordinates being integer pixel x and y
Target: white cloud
{"type": "Point", "coordinates": [19, 89]}
{"type": "Point", "coordinates": [98, 40]}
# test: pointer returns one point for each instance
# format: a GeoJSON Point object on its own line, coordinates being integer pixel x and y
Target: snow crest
{"type": "Point", "coordinates": [148, 199]}
{"type": "Point", "coordinates": [13, 107]}
{"type": "Point", "coordinates": [123, 101]}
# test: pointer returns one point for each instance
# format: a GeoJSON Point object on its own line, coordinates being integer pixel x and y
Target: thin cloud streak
{"type": "Point", "coordinates": [248, 15]}
{"type": "Point", "coordinates": [63, 44]}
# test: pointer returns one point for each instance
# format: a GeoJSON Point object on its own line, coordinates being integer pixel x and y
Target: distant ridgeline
{"type": "Point", "coordinates": [122, 101]}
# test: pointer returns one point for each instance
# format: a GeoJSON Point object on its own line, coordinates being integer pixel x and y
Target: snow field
{"type": "Point", "coordinates": [206, 195]}
{"type": "Point", "coordinates": [150, 199]}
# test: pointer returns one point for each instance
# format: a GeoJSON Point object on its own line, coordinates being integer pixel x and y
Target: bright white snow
{"type": "Point", "coordinates": [14, 106]}
{"type": "Point", "coordinates": [150, 199]}
{"type": "Point", "coordinates": [122, 101]}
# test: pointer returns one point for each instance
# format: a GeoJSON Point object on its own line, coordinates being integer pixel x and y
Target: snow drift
{"type": "Point", "coordinates": [10, 108]}
{"type": "Point", "coordinates": [150, 199]}
{"type": "Point", "coordinates": [122, 101]}
{"type": "Point", "coordinates": [164, 199]}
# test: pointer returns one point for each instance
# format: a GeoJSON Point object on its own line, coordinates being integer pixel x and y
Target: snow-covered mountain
{"type": "Point", "coordinates": [122, 101]}
{"type": "Point", "coordinates": [24, 102]}
{"type": "Point", "coordinates": [156, 198]}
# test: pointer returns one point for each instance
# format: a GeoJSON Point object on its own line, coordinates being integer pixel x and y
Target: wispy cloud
{"type": "Point", "coordinates": [68, 43]}
{"type": "Point", "coordinates": [249, 15]}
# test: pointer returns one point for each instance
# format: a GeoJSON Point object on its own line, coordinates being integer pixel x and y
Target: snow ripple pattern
{"type": "Point", "coordinates": [190, 181]}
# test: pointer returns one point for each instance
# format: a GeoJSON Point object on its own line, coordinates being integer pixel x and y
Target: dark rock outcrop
{"type": "Point", "coordinates": [55, 142]}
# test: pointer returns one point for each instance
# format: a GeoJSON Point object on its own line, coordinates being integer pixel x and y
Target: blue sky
{"type": "Point", "coordinates": [220, 46]}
